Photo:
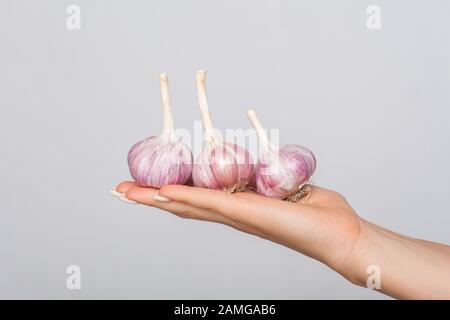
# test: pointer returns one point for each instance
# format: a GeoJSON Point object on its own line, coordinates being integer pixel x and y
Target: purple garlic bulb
{"type": "Point", "coordinates": [161, 160]}
{"type": "Point", "coordinates": [221, 165]}
{"type": "Point", "coordinates": [281, 172]}
{"type": "Point", "coordinates": [224, 166]}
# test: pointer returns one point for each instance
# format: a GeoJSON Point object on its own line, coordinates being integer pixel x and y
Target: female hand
{"type": "Point", "coordinates": [322, 225]}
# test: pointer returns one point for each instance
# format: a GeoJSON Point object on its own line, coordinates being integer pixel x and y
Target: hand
{"type": "Point", "coordinates": [323, 226]}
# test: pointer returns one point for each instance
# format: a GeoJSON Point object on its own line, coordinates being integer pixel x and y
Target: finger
{"type": "Point", "coordinates": [119, 191]}
{"type": "Point", "coordinates": [124, 186]}
{"type": "Point", "coordinates": [280, 221]}
{"type": "Point", "coordinates": [250, 209]}
{"type": "Point", "coordinates": [145, 196]}
{"type": "Point", "coordinates": [131, 191]}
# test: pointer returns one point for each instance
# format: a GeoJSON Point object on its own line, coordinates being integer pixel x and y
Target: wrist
{"type": "Point", "coordinates": [363, 255]}
{"type": "Point", "coordinates": [406, 268]}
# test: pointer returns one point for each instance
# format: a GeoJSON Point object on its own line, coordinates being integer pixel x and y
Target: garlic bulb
{"type": "Point", "coordinates": [281, 172]}
{"type": "Point", "coordinates": [161, 160]}
{"type": "Point", "coordinates": [221, 165]}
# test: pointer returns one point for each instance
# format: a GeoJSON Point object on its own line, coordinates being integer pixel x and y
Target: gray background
{"type": "Point", "coordinates": [373, 105]}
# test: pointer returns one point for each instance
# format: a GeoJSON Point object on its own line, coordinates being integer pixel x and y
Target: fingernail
{"type": "Point", "coordinates": [116, 193]}
{"type": "Point", "coordinates": [126, 200]}
{"type": "Point", "coordinates": [161, 198]}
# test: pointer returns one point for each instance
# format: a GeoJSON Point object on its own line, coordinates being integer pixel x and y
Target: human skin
{"type": "Point", "coordinates": [322, 226]}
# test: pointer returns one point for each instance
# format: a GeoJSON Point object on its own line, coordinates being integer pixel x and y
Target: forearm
{"type": "Point", "coordinates": [409, 268]}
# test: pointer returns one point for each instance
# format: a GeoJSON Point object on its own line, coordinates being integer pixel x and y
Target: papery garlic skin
{"type": "Point", "coordinates": [280, 177]}
{"type": "Point", "coordinates": [157, 161]}
{"type": "Point", "coordinates": [223, 166]}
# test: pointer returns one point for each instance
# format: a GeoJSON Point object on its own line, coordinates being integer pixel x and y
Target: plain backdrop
{"type": "Point", "coordinates": [372, 104]}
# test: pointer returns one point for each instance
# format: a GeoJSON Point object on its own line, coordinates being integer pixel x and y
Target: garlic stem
{"type": "Point", "coordinates": [167, 107]}
{"type": "Point", "coordinates": [203, 103]}
{"type": "Point", "coordinates": [264, 141]}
